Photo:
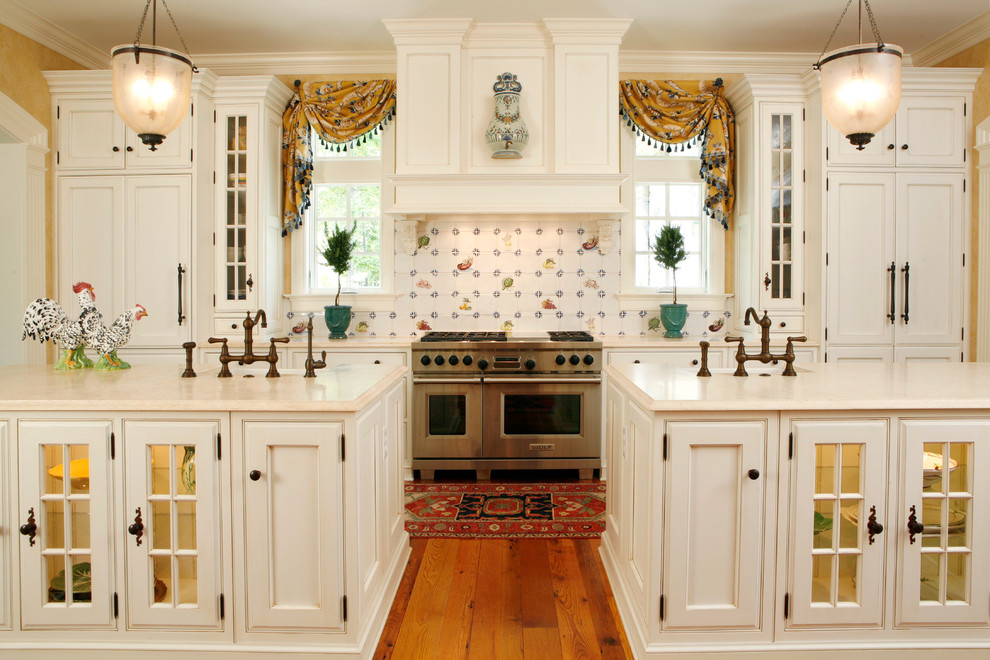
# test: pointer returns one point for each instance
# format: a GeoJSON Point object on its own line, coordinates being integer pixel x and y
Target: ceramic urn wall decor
{"type": "Point", "coordinates": [507, 134]}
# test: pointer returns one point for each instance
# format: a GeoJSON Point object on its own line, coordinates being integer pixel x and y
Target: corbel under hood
{"type": "Point", "coordinates": [568, 70]}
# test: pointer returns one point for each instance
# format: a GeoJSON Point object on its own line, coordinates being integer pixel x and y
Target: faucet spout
{"type": "Point", "coordinates": [264, 318]}
{"type": "Point", "coordinates": [751, 312]}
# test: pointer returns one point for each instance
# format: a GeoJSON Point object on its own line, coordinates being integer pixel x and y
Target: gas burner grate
{"type": "Point", "coordinates": [569, 335]}
{"type": "Point", "coordinates": [463, 336]}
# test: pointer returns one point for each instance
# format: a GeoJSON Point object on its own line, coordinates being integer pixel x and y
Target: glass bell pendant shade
{"type": "Point", "coordinates": [151, 88]}
{"type": "Point", "coordinates": [861, 89]}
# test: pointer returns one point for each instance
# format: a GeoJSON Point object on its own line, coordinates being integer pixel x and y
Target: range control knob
{"type": "Point", "coordinates": [482, 364]}
{"type": "Point", "coordinates": [467, 360]}
{"type": "Point", "coordinates": [589, 359]}
{"type": "Point", "coordinates": [438, 360]}
{"type": "Point", "coordinates": [425, 360]}
{"type": "Point", "coordinates": [560, 359]}
{"type": "Point", "coordinates": [575, 360]}
{"type": "Point", "coordinates": [452, 360]}
{"type": "Point", "coordinates": [530, 364]}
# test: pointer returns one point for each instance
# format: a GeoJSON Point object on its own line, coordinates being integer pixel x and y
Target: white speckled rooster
{"type": "Point", "coordinates": [106, 341]}
{"type": "Point", "coordinates": [44, 320]}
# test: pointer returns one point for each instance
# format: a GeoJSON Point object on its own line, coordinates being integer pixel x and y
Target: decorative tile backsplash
{"type": "Point", "coordinates": [519, 276]}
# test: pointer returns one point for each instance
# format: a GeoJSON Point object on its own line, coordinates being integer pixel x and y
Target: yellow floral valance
{"type": "Point", "coordinates": [342, 113]}
{"type": "Point", "coordinates": [676, 112]}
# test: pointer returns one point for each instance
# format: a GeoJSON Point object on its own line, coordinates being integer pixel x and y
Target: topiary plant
{"type": "Point", "coordinates": [337, 250]}
{"type": "Point", "coordinates": [668, 250]}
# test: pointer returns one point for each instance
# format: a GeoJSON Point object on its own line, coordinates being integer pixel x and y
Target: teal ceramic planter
{"type": "Point", "coordinates": [673, 317]}
{"type": "Point", "coordinates": [338, 317]}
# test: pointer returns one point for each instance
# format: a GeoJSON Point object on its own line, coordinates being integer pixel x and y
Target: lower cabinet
{"type": "Point", "coordinates": [761, 532]}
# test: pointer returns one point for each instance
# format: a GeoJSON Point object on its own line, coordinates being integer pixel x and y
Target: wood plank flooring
{"type": "Point", "coordinates": [501, 599]}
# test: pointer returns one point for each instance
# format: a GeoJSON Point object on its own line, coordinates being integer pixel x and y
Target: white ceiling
{"type": "Point", "coordinates": [213, 27]}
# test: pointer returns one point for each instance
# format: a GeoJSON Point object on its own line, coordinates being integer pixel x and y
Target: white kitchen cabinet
{"type": "Point", "coordinates": [714, 524]}
{"type": "Point", "coordinates": [617, 456]}
{"type": "Point", "coordinates": [173, 552]}
{"type": "Point", "coordinates": [927, 131]}
{"type": "Point", "coordinates": [895, 262]}
{"type": "Point", "coordinates": [770, 208]}
{"type": "Point", "coordinates": [943, 506]}
{"type": "Point", "coordinates": [291, 479]}
{"type": "Point", "coordinates": [130, 237]}
{"type": "Point", "coordinates": [686, 358]}
{"type": "Point", "coordinates": [838, 489]}
{"type": "Point", "coordinates": [6, 528]}
{"type": "Point", "coordinates": [65, 523]}
{"type": "Point", "coordinates": [91, 135]}
{"type": "Point", "coordinates": [247, 235]}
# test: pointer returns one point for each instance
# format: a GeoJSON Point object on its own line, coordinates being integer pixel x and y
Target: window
{"type": "Point", "coordinates": [668, 191]}
{"type": "Point", "coordinates": [347, 191]}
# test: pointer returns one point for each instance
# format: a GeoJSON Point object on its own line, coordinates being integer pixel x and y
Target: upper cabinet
{"type": "Point", "coordinates": [569, 75]}
{"type": "Point", "coordinates": [770, 211]}
{"type": "Point", "coordinates": [91, 135]}
{"type": "Point", "coordinates": [927, 131]}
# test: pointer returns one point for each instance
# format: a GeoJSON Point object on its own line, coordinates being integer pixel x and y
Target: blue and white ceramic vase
{"type": "Point", "coordinates": [507, 134]}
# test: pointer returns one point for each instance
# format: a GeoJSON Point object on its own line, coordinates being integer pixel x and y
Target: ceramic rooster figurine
{"type": "Point", "coordinates": [45, 320]}
{"type": "Point", "coordinates": [106, 341]}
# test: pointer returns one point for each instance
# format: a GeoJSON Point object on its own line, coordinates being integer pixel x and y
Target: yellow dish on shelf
{"type": "Point", "coordinates": [78, 469]}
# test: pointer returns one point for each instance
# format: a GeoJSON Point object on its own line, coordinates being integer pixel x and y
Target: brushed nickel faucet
{"type": "Point", "coordinates": [764, 356]}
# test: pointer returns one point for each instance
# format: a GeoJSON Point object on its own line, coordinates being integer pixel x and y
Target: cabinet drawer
{"type": "Point", "coordinates": [676, 358]}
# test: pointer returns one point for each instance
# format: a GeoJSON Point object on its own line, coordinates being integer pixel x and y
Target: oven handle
{"type": "Point", "coordinates": [446, 381]}
{"type": "Point", "coordinates": [542, 381]}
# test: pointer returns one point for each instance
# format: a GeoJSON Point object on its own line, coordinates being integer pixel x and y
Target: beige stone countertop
{"type": "Point", "coordinates": [346, 388]}
{"type": "Point", "coordinates": [844, 386]}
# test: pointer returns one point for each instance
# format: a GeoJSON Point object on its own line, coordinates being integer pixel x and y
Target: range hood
{"type": "Point", "coordinates": [569, 99]}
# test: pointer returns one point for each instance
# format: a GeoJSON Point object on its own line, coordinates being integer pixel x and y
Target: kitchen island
{"type": "Point", "coordinates": [244, 516]}
{"type": "Point", "coordinates": [846, 508]}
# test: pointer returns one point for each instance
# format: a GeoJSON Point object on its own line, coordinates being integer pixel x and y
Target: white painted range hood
{"type": "Point", "coordinates": [568, 69]}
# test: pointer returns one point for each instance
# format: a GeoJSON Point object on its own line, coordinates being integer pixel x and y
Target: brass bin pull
{"type": "Point", "coordinates": [30, 528]}
{"type": "Point", "coordinates": [136, 528]}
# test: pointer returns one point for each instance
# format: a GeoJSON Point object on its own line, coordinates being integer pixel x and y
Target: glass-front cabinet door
{"type": "Point", "coordinates": [837, 526]}
{"type": "Point", "coordinates": [945, 504]}
{"type": "Point", "coordinates": [781, 285]}
{"type": "Point", "coordinates": [64, 522]}
{"type": "Point", "coordinates": [172, 523]}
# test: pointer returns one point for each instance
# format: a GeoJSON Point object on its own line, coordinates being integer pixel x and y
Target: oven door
{"type": "Point", "coordinates": [543, 417]}
{"type": "Point", "coordinates": [447, 418]}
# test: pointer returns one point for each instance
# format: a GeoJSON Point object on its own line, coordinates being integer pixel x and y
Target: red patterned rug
{"type": "Point", "coordinates": [505, 510]}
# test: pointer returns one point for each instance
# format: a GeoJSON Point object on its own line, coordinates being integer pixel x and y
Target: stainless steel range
{"type": "Point", "coordinates": [483, 401]}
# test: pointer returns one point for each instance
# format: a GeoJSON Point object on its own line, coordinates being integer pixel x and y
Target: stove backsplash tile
{"type": "Point", "coordinates": [519, 276]}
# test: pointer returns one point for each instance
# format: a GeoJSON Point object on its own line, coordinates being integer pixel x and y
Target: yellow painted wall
{"type": "Point", "coordinates": [976, 56]}
{"type": "Point", "coordinates": [21, 62]}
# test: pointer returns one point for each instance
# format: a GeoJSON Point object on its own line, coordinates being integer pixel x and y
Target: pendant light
{"type": "Point", "coordinates": [861, 84]}
{"type": "Point", "coordinates": [152, 84]}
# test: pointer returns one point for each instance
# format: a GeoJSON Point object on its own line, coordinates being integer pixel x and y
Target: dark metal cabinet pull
{"type": "Point", "coordinates": [30, 528]}
{"type": "Point", "coordinates": [872, 525]}
{"type": "Point", "coordinates": [116, 149]}
{"type": "Point", "coordinates": [753, 474]}
{"type": "Point", "coordinates": [182, 316]}
{"type": "Point", "coordinates": [907, 292]}
{"type": "Point", "coordinates": [904, 147]}
{"type": "Point", "coordinates": [254, 475]}
{"type": "Point", "coordinates": [890, 146]}
{"type": "Point", "coordinates": [893, 276]}
{"type": "Point", "coordinates": [250, 282]}
{"type": "Point", "coordinates": [766, 281]}
{"type": "Point", "coordinates": [136, 528]}
{"type": "Point", "coordinates": [914, 527]}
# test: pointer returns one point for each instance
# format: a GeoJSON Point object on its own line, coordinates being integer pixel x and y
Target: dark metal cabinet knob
{"type": "Point", "coordinates": [904, 147]}
{"type": "Point", "coordinates": [560, 359]}
{"type": "Point", "coordinates": [575, 360]}
{"type": "Point", "coordinates": [116, 149]}
{"type": "Point", "coordinates": [635, 361]}
{"type": "Point", "coordinates": [453, 360]}
{"type": "Point", "coordinates": [136, 528]}
{"type": "Point", "coordinates": [890, 146]}
{"type": "Point", "coordinates": [130, 148]}
{"type": "Point", "coordinates": [378, 361]}
{"type": "Point", "coordinates": [872, 526]}
{"type": "Point", "coordinates": [254, 475]}
{"type": "Point", "coordinates": [753, 474]}
{"type": "Point", "coordinates": [589, 359]}
{"type": "Point", "coordinates": [694, 363]}
{"type": "Point", "coordinates": [468, 360]}
{"type": "Point", "coordinates": [914, 527]}
{"type": "Point", "coordinates": [425, 360]}
{"type": "Point", "coordinates": [29, 529]}
{"type": "Point", "coordinates": [530, 364]}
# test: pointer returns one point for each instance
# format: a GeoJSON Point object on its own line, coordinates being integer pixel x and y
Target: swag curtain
{"type": "Point", "coordinates": [343, 114]}
{"type": "Point", "coordinates": [677, 112]}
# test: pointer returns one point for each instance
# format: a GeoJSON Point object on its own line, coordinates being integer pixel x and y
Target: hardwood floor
{"type": "Point", "coordinates": [502, 599]}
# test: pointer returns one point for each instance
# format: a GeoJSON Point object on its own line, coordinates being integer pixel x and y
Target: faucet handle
{"type": "Point", "coordinates": [793, 339]}
{"type": "Point", "coordinates": [217, 340]}
{"type": "Point", "coordinates": [733, 339]}
{"type": "Point", "coordinates": [280, 340]}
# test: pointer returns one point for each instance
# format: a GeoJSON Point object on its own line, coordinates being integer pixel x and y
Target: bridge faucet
{"type": "Point", "coordinates": [249, 356]}
{"type": "Point", "coordinates": [764, 356]}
